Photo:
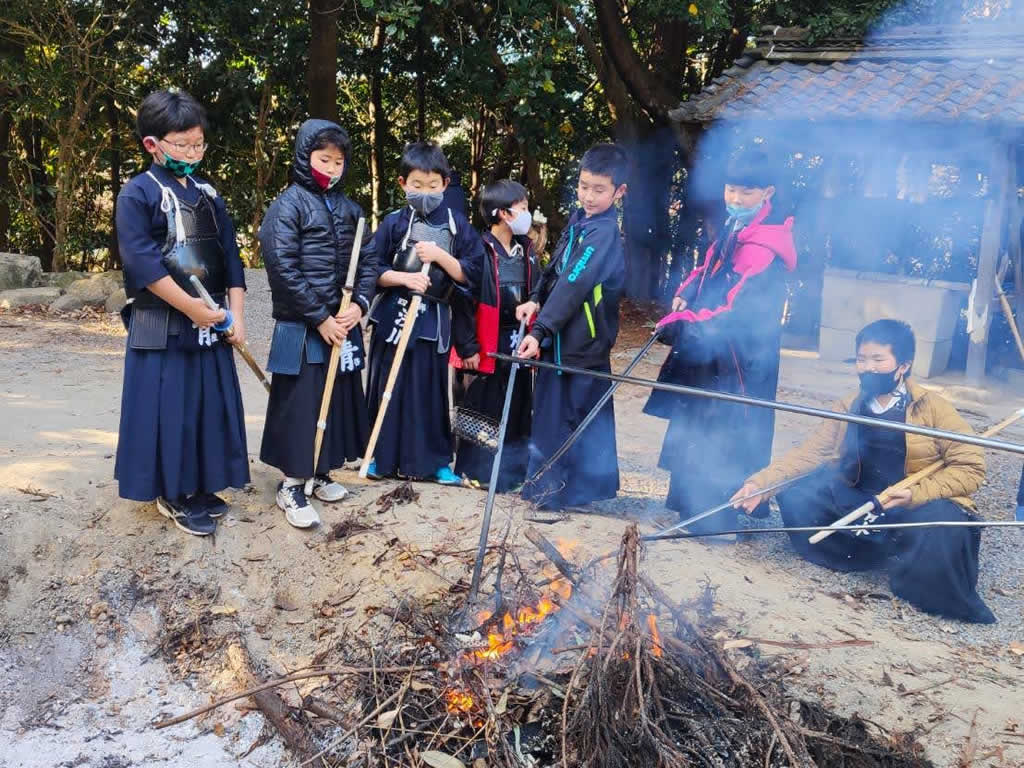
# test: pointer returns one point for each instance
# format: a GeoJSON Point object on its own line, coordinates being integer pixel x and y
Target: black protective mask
{"type": "Point", "coordinates": [877, 384]}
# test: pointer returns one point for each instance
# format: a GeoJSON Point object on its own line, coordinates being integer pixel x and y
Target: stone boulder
{"type": "Point", "coordinates": [23, 297]}
{"type": "Point", "coordinates": [92, 291]}
{"type": "Point", "coordinates": [116, 300]}
{"type": "Point", "coordinates": [19, 271]}
{"type": "Point", "coordinates": [62, 279]}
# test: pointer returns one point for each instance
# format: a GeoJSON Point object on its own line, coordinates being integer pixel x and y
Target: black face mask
{"type": "Point", "coordinates": [876, 384]}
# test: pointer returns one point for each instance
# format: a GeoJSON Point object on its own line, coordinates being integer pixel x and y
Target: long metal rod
{"type": "Point", "coordinates": [803, 410]}
{"type": "Point", "coordinates": [872, 527]}
{"type": "Point", "coordinates": [564, 447]}
{"type": "Point", "coordinates": [492, 486]}
{"type": "Point", "coordinates": [666, 533]}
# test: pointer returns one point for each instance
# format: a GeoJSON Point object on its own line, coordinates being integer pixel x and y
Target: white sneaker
{"type": "Point", "coordinates": [326, 489]}
{"type": "Point", "coordinates": [297, 509]}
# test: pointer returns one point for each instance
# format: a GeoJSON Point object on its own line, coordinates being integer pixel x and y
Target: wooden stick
{"type": "Point", "coordinates": [396, 364]}
{"type": "Point", "coordinates": [340, 672]}
{"type": "Point", "coordinates": [332, 366]}
{"type": "Point", "coordinates": [905, 483]}
{"type": "Point", "coordinates": [564, 567]}
{"type": "Point", "coordinates": [1008, 311]}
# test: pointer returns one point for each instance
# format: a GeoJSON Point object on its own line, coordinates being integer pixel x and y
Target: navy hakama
{"type": "Point", "coordinates": [933, 569]}
{"type": "Point", "coordinates": [589, 471]}
{"type": "Point", "coordinates": [416, 437]}
{"type": "Point", "coordinates": [294, 408]}
{"type": "Point", "coordinates": [182, 425]}
{"type": "Point", "coordinates": [486, 395]}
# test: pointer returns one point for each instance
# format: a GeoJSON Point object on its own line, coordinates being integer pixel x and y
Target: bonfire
{"type": "Point", "coordinates": [564, 674]}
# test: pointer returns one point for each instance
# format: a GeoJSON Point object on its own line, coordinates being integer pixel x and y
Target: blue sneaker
{"type": "Point", "coordinates": [1019, 514]}
{"type": "Point", "coordinates": [445, 476]}
{"type": "Point", "coordinates": [371, 471]}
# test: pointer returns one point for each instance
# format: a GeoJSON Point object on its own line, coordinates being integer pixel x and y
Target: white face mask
{"type": "Point", "coordinates": [520, 225]}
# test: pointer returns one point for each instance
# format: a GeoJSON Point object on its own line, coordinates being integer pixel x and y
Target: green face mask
{"type": "Point", "coordinates": [180, 168]}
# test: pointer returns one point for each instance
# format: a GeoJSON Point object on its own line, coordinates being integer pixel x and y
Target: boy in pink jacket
{"type": "Point", "coordinates": [725, 328]}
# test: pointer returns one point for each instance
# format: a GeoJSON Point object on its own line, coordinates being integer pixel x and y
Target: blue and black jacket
{"type": "Point", "coordinates": [580, 290]}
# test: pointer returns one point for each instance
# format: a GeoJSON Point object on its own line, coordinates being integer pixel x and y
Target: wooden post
{"type": "Point", "coordinates": [979, 319]}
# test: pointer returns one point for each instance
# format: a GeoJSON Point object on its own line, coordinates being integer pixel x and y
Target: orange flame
{"type": "Point", "coordinates": [652, 624]}
{"type": "Point", "coordinates": [523, 621]}
{"type": "Point", "coordinates": [459, 701]}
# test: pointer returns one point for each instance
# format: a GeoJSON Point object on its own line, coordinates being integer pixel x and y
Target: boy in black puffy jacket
{"type": "Point", "coordinates": [306, 239]}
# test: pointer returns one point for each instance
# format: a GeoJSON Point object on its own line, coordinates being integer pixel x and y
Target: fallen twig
{"type": "Point", "coordinates": [929, 687]}
{"type": "Point", "coordinates": [340, 672]}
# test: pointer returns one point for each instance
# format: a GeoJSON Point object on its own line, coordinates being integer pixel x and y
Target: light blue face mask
{"type": "Point", "coordinates": [739, 213]}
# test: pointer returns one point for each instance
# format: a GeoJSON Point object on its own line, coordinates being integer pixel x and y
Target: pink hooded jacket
{"type": "Point", "coordinates": [757, 246]}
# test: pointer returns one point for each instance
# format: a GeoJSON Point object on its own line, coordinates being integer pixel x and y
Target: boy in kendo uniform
{"type": "Point", "coordinates": [934, 569]}
{"type": "Point", "coordinates": [416, 437]}
{"type": "Point", "coordinates": [510, 276]}
{"type": "Point", "coordinates": [182, 432]}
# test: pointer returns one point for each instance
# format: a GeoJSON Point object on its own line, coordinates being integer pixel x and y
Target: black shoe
{"type": "Point", "coordinates": [215, 506]}
{"type": "Point", "coordinates": [191, 518]}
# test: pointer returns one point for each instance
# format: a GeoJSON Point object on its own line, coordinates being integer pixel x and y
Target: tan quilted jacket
{"type": "Point", "coordinates": [962, 475]}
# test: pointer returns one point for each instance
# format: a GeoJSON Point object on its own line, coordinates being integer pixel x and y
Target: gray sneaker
{"type": "Point", "coordinates": [297, 509]}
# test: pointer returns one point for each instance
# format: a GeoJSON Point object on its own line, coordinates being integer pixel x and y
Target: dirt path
{"type": "Point", "coordinates": [111, 619]}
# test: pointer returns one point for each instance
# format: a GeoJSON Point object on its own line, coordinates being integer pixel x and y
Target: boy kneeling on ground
{"type": "Point", "coordinates": [934, 569]}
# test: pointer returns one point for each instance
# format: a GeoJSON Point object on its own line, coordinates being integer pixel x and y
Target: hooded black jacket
{"type": "Point", "coordinates": [306, 240]}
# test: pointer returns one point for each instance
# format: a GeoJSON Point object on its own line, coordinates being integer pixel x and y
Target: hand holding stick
{"type": "Point", "coordinates": [906, 483]}
{"type": "Point", "coordinates": [396, 365]}
{"type": "Point", "coordinates": [332, 366]}
{"type": "Point", "coordinates": [227, 330]}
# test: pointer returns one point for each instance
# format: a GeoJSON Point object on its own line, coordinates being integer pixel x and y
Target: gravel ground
{"type": "Point", "coordinates": [1001, 583]}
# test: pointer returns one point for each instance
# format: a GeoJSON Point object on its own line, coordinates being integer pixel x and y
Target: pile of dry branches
{"type": "Point", "coordinates": [621, 692]}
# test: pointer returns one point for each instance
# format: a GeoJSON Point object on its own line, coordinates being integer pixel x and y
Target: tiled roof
{"type": "Point", "coordinates": [920, 75]}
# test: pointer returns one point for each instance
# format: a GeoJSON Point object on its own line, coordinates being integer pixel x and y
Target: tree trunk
{"type": "Point", "coordinates": [378, 126]}
{"type": "Point", "coordinates": [539, 194]}
{"type": "Point", "coordinates": [321, 77]}
{"type": "Point", "coordinates": [6, 125]}
{"type": "Point", "coordinates": [31, 134]}
{"type": "Point", "coordinates": [113, 119]}
{"type": "Point", "coordinates": [646, 223]}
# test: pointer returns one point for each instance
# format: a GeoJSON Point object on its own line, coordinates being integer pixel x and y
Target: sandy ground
{"type": "Point", "coordinates": [92, 585]}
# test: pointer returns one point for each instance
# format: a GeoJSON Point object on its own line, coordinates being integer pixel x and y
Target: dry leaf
{"type": "Point", "coordinates": [441, 760]}
{"type": "Point", "coordinates": [502, 704]}
{"type": "Point", "coordinates": [479, 763]}
{"type": "Point", "coordinates": [417, 685]}
{"type": "Point", "coordinates": [385, 719]}
{"type": "Point", "coordinates": [739, 643]}
{"type": "Point", "coordinates": [1017, 649]}
{"type": "Point", "coordinates": [223, 610]}
{"type": "Point", "coordinates": [218, 729]}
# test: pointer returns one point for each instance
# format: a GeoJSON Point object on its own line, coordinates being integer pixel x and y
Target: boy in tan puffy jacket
{"type": "Point", "coordinates": [934, 569]}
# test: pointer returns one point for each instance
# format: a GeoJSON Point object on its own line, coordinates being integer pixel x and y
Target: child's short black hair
{"type": "Point", "coordinates": [164, 112]}
{"type": "Point", "coordinates": [750, 168]}
{"type": "Point", "coordinates": [500, 196]}
{"type": "Point", "coordinates": [332, 137]}
{"type": "Point", "coordinates": [894, 333]}
{"type": "Point", "coordinates": [424, 156]}
{"type": "Point", "coordinates": [607, 160]}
